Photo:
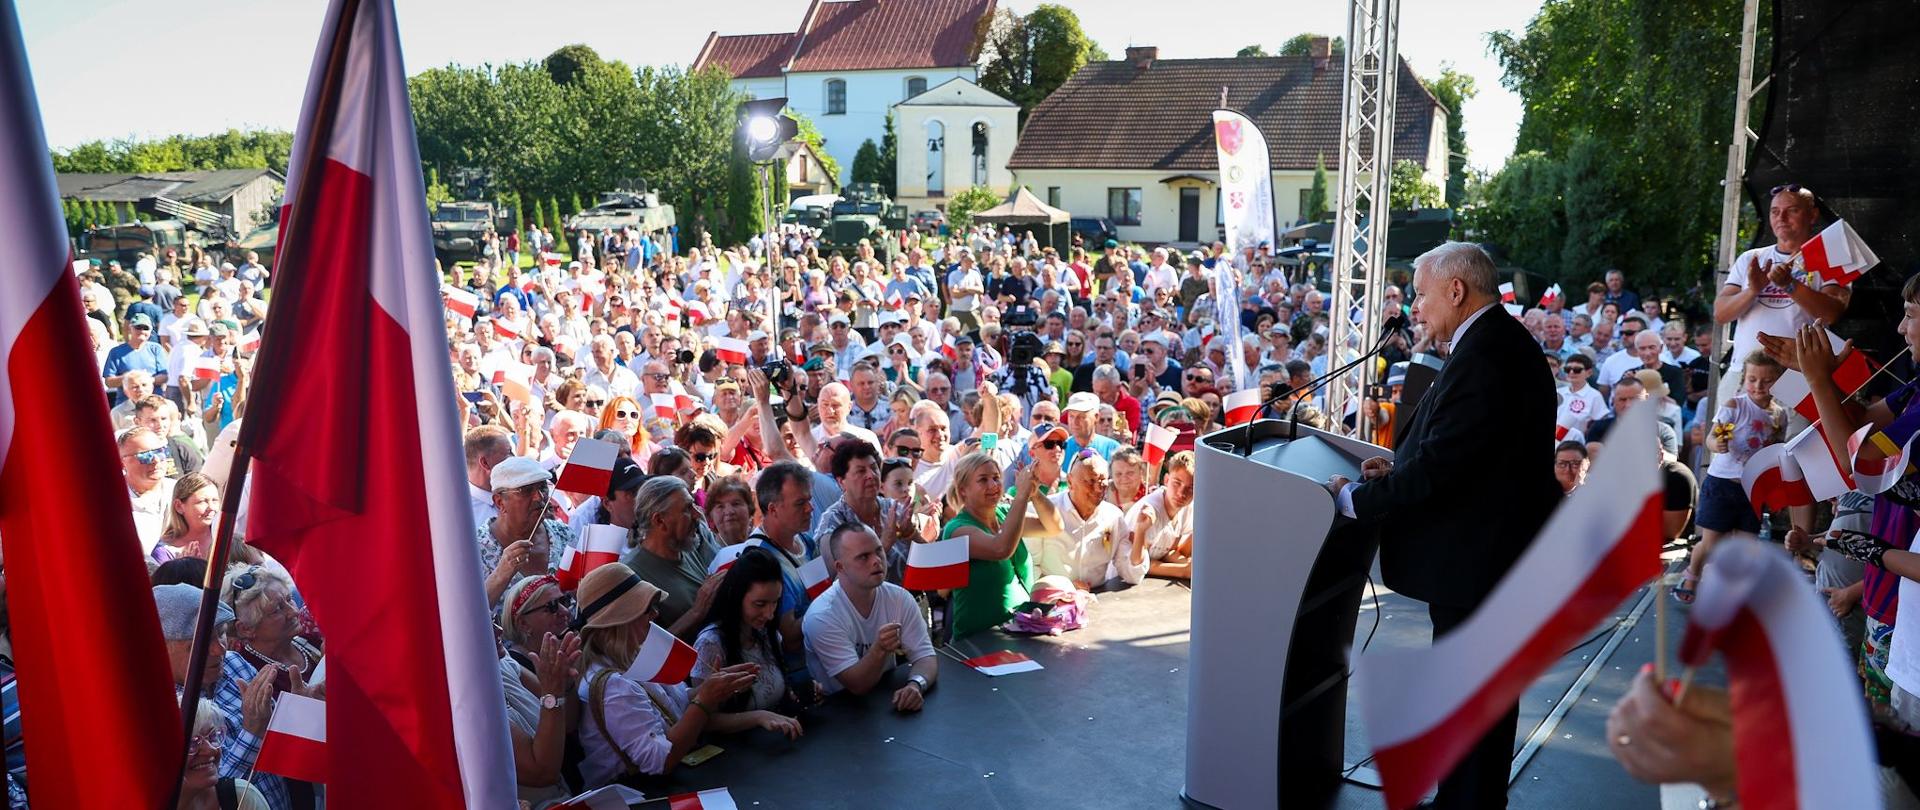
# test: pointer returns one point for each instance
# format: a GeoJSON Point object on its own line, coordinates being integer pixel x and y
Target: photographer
{"type": "Point", "coordinates": [1020, 376]}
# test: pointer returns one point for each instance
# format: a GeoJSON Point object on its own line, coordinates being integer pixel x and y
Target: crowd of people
{"type": "Point", "coordinates": [773, 407]}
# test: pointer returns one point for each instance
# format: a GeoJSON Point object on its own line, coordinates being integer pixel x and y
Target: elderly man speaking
{"type": "Point", "coordinates": [1471, 482]}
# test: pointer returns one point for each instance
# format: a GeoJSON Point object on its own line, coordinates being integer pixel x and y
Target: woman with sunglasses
{"type": "Point", "coordinates": [268, 624]}
{"type": "Point", "coordinates": [624, 413]}
{"type": "Point", "coordinates": [201, 787]}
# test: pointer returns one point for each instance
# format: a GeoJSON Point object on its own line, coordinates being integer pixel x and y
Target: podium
{"type": "Point", "coordinates": [1277, 582]}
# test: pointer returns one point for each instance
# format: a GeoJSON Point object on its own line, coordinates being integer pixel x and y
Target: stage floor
{"type": "Point", "coordinates": [1104, 724]}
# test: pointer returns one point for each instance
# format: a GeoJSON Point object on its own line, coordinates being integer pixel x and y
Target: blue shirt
{"type": "Point", "coordinates": [924, 275]}
{"type": "Point", "coordinates": [907, 285]}
{"type": "Point", "coordinates": [124, 358]}
{"type": "Point", "coordinates": [1100, 445]}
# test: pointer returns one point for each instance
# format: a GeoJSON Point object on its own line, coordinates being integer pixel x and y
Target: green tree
{"type": "Point", "coordinates": [1299, 43]}
{"type": "Point", "coordinates": [1317, 194]}
{"type": "Point", "coordinates": [810, 135]}
{"type": "Point", "coordinates": [746, 200]}
{"type": "Point", "coordinates": [866, 164]}
{"type": "Point", "coordinates": [1618, 94]}
{"type": "Point", "coordinates": [1251, 50]}
{"type": "Point", "coordinates": [963, 205]}
{"type": "Point", "coordinates": [1408, 188]}
{"type": "Point", "coordinates": [554, 222]}
{"type": "Point", "coordinates": [1027, 58]}
{"type": "Point", "coordinates": [1453, 88]}
{"type": "Point", "coordinates": [569, 62]}
{"type": "Point", "coordinates": [889, 157]}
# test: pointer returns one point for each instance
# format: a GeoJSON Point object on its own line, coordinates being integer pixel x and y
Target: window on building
{"type": "Point", "coordinates": [836, 97]}
{"type": "Point", "coordinates": [980, 153]}
{"type": "Point", "coordinates": [1123, 206]}
{"type": "Point", "coordinates": [1053, 196]}
{"type": "Point", "coordinates": [916, 85]}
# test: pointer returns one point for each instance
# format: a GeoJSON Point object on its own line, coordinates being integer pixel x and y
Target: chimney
{"type": "Point", "coordinates": [1321, 49]}
{"type": "Point", "coordinates": [1142, 56]}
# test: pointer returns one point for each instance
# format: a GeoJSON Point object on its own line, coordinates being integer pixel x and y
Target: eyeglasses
{"type": "Point", "coordinates": [626, 414]}
{"type": "Point", "coordinates": [705, 457]}
{"type": "Point", "coordinates": [1199, 378]}
{"type": "Point", "coordinates": [247, 580]}
{"type": "Point", "coordinates": [596, 403]}
{"type": "Point", "coordinates": [147, 456]}
{"type": "Point", "coordinates": [564, 603]}
{"type": "Point", "coordinates": [1053, 444]}
{"type": "Point", "coordinates": [1576, 369]}
{"type": "Point", "coordinates": [1076, 343]}
{"type": "Point", "coordinates": [658, 376]}
{"type": "Point", "coordinates": [908, 452]}
{"type": "Point", "coordinates": [1792, 187]}
{"type": "Point", "coordinates": [210, 742]}
{"type": "Point", "coordinates": [1569, 465]}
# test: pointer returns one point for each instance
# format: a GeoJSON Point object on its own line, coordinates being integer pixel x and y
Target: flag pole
{"type": "Point", "coordinates": [288, 291]}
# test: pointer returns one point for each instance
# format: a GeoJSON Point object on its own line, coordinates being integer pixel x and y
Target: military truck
{"type": "Point", "coordinates": [864, 212]}
{"type": "Point", "coordinates": [626, 208]}
{"type": "Point", "coordinates": [458, 228]}
{"type": "Point", "coordinates": [178, 227]}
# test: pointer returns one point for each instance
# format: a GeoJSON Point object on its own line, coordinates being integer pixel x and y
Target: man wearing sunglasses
{"type": "Point", "coordinates": [143, 456]}
{"type": "Point", "coordinates": [1768, 289]}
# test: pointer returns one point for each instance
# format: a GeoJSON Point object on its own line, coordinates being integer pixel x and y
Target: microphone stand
{"type": "Point", "coordinates": [1293, 430]}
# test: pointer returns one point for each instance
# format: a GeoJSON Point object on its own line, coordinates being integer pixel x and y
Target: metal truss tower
{"type": "Point", "coordinates": [1360, 224]}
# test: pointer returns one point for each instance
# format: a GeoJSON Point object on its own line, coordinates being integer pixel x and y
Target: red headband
{"type": "Point", "coordinates": [527, 592]}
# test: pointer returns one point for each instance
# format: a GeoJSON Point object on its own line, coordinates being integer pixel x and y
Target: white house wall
{"type": "Point", "coordinates": [763, 87]}
{"type": "Point", "coordinates": [912, 124]}
{"type": "Point", "coordinates": [869, 95]}
{"type": "Point", "coordinates": [1083, 192]}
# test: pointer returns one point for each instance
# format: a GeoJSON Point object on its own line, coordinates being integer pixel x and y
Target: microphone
{"type": "Point", "coordinates": [1395, 323]}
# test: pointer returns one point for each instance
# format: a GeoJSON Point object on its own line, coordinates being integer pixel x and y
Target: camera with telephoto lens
{"type": "Point", "coordinates": [683, 357]}
{"type": "Point", "coordinates": [1026, 347]}
{"type": "Point", "coordinates": [779, 373]}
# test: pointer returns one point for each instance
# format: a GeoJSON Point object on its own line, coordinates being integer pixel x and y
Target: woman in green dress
{"type": "Point", "coordinates": [998, 577]}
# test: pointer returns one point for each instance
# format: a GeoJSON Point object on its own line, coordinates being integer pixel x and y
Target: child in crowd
{"type": "Point", "coordinates": [1744, 424]}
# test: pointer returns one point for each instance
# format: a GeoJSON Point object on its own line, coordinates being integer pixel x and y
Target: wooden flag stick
{"type": "Point", "coordinates": [1660, 628]}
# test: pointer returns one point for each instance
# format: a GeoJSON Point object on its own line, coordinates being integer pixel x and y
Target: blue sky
{"type": "Point", "coordinates": [119, 68]}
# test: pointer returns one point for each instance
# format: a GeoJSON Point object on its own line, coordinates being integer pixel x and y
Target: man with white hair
{"type": "Point", "coordinates": [834, 404]}
{"type": "Point", "coordinates": [964, 288]}
{"type": "Point", "coordinates": [1471, 482]}
{"type": "Point", "coordinates": [603, 369]}
{"type": "Point", "coordinates": [568, 428]}
{"type": "Point", "coordinates": [135, 385]}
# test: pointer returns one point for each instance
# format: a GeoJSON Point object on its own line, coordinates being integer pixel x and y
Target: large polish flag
{"type": "Point", "coordinates": [1800, 733]}
{"type": "Point", "coordinates": [1425, 709]}
{"type": "Point", "coordinates": [358, 485]}
{"type": "Point", "coordinates": [99, 720]}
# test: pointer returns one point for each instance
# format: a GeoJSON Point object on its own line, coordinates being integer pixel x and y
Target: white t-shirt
{"type": "Point", "coordinates": [1165, 531]}
{"type": "Point", "coordinates": [1577, 408]}
{"type": "Point", "coordinates": [1903, 658]}
{"type": "Point", "coordinates": [1160, 276]}
{"type": "Point", "coordinates": [1754, 427]}
{"type": "Point", "coordinates": [1084, 549]}
{"type": "Point", "coordinates": [150, 513]}
{"type": "Point", "coordinates": [964, 278]}
{"type": "Point", "coordinates": [1773, 312]}
{"type": "Point", "coordinates": [820, 435]}
{"type": "Point", "coordinates": [837, 636]}
{"type": "Point", "coordinates": [1616, 366]}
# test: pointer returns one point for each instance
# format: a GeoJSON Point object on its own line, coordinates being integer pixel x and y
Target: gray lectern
{"type": "Point", "coordinates": [1277, 582]}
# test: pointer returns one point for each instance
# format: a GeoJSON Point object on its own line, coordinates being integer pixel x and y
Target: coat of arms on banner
{"type": "Point", "coordinates": [1228, 132]}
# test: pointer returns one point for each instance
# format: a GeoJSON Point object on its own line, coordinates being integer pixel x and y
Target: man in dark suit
{"type": "Point", "coordinates": [1472, 479]}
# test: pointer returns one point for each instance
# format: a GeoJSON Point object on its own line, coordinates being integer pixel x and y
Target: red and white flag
{"type": "Point", "coordinates": [1425, 709]}
{"type": "Point", "coordinates": [365, 501]}
{"type": "Point", "coordinates": [71, 573]}
{"type": "Point", "coordinates": [730, 350]}
{"type": "Point", "coordinates": [663, 405]}
{"type": "Point", "coordinates": [250, 342]}
{"type": "Point", "coordinates": [567, 576]}
{"type": "Point", "coordinates": [515, 380]}
{"type": "Point", "coordinates": [662, 658]}
{"type": "Point", "coordinates": [589, 468]}
{"type": "Point", "coordinates": [1826, 475]}
{"type": "Point", "coordinates": [460, 302]}
{"type": "Point", "coordinates": [937, 566]}
{"type": "Point", "coordinates": [611, 797]}
{"type": "Point", "coordinates": [1004, 662]}
{"type": "Point", "coordinates": [600, 544]}
{"type": "Point", "coordinates": [1560, 431]}
{"type": "Point", "coordinates": [814, 577]}
{"type": "Point", "coordinates": [728, 555]}
{"type": "Point", "coordinates": [1800, 733]}
{"type": "Point", "coordinates": [1242, 406]}
{"type": "Point", "coordinates": [1159, 440]}
{"type": "Point", "coordinates": [1506, 293]}
{"type": "Point", "coordinates": [1877, 476]}
{"type": "Point", "coordinates": [1853, 372]}
{"type": "Point", "coordinates": [1551, 295]}
{"type": "Point", "coordinates": [683, 402]}
{"type": "Point", "coordinates": [205, 367]}
{"type": "Point", "coordinates": [503, 328]}
{"type": "Point", "coordinates": [1837, 254]}
{"type": "Point", "coordinates": [1773, 480]}
{"type": "Point", "coordinates": [716, 799]}
{"type": "Point", "coordinates": [296, 742]}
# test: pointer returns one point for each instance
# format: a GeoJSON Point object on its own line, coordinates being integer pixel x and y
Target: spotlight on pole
{"type": "Point", "coordinates": [763, 127]}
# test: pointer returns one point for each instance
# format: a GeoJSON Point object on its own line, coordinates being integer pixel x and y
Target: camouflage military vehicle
{"type": "Point", "coordinates": [458, 228]}
{"type": "Point", "coordinates": [864, 212]}
{"type": "Point", "coordinates": [627, 208]}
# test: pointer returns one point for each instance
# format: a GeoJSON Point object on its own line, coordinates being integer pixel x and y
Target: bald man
{"type": "Point", "coordinates": [835, 403]}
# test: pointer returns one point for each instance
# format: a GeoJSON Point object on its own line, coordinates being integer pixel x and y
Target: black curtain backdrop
{"type": "Point", "coordinates": [1842, 117]}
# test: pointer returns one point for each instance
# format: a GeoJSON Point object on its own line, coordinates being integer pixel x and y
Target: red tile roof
{"type": "Point", "coordinates": [860, 35]}
{"type": "Point", "coordinates": [746, 56]}
{"type": "Point", "coordinates": [1112, 115]}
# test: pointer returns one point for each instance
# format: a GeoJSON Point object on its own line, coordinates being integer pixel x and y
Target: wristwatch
{"type": "Point", "coordinates": [920, 682]}
{"type": "Point", "coordinates": [549, 701]}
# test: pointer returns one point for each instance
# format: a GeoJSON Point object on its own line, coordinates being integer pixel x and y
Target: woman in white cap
{"type": "Point", "coordinates": [521, 540]}
{"type": "Point", "coordinates": [631, 728]}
